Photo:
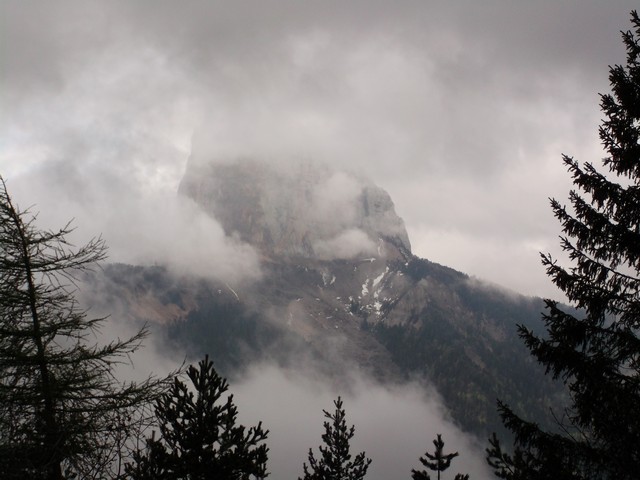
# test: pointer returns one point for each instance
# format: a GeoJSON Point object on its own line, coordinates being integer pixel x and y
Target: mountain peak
{"type": "Point", "coordinates": [297, 209]}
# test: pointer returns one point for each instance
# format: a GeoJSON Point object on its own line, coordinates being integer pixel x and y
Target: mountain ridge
{"type": "Point", "coordinates": [382, 310]}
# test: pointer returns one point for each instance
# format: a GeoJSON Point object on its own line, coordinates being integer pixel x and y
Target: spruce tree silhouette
{"type": "Point", "coordinates": [437, 462]}
{"type": "Point", "coordinates": [199, 436]}
{"type": "Point", "coordinates": [596, 352]}
{"type": "Point", "coordinates": [63, 414]}
{"type": "Point", "coordinates": [335, 458]}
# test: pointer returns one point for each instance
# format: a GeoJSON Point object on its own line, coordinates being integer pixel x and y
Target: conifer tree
{"type": "Point", "coordinates": [437, 462]}
{"type": "Point", "coordinates": [335, 458]}
{"type": "Point", "coordinates": [62, 412]}
{"type": "Point", "coordinates": [199, 435]}
{"type": "Point", "coordinates": [595, 353]}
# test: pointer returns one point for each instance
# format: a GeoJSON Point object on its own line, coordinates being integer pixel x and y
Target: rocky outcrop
{"type": "Point", "coordinates": [296, 209]}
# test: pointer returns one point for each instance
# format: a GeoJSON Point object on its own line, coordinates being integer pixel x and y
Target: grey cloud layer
{"type": "Point", "coordinates": [459, 110]}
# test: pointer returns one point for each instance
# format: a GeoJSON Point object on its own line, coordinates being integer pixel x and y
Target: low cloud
{"type": "Point", "coordinates": [175, 232]}
{"type": "Point", "coordinates": [334, 201]}
{"type": "Point", "coordinates": [394, 425]}
{"type": "Point", "coordinates": [348, 244]}
{"type": "Point", "coordinates": [140, 228]}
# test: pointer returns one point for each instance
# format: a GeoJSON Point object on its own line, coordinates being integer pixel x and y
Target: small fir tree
{"type": "Point", "coordinates": [437, 462]}
{"type": "Point", "coordinates": [335, 458]}
{"type": "Point", "coordinates": [199, 435]}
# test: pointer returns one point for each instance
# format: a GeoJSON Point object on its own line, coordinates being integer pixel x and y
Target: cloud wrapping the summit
{"type": "Point", "coordinates": [334, 201]}
{"type": "Point", "coordinates": [174, 231]}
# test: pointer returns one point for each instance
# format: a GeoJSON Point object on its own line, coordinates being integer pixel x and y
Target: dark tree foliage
{"type": "Point", "coordinates": [335, 458]}
{"type": "Point", "coordinates": [437, 461]}
{"type": "Point", "coordinates": [199, 435]}
{"type": "Point", "coordinates": [62, 412]}
{"type": "Point", "coordinates": [597, 353]}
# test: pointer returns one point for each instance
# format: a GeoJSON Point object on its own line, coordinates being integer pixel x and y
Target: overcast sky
{"type": "Point", "coordinates": [459, 109]}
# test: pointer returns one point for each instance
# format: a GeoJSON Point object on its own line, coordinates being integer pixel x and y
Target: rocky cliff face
{"type": "Point", "coordinates": [298, 210]}
{"type": "Point", "coordinates": [330, 238]}
{"type": "Point", "coordinates": [340, 289]}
